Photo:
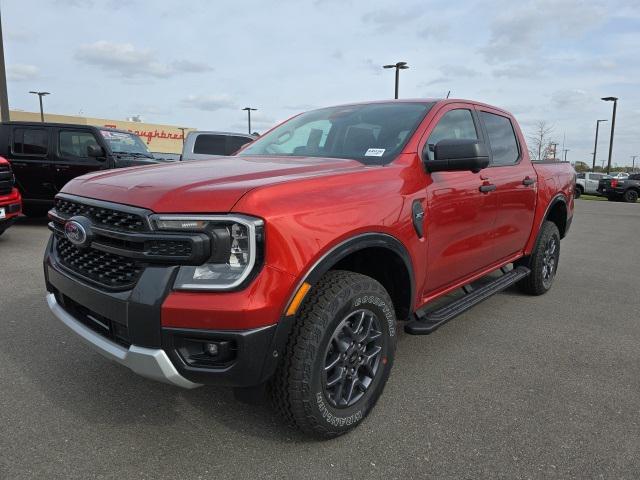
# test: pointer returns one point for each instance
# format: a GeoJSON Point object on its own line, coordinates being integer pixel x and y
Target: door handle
{"type": "Point", "coordinates": [528, 181]}
{"type": "Point", "coordinates": [487, 188]}
{"type": "Point", "coordinates": [62, 168]}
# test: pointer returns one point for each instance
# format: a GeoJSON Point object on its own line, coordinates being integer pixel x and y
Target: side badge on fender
{"type": "Point", "coordinates": [418, 217]}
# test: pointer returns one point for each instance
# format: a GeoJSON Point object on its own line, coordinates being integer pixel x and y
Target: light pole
{"type": "Point", "coordinates": [565, 153]}
{"type": "Point", "coordinates": [182, 129]}
{"type": "Point", "coordinates": [596, 144]}
{"type": "Point", "coordinates": [40, 95]}
{"type": "Point", "coordinates": [633, 162]}
{"type": "Point", "coordinates": [555, 149]}
{"type": "Point", "coordinates": [249, 110]}
{"type": "Point", "coordinates": [398, 66]}
{"type": "Point", "coordinates": [4, 98]}
{"type": "Point", "coordinates": [613, 127]}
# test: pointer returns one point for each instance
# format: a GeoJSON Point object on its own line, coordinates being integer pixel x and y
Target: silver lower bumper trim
{"type": "Point", "coordinates": [148, 362]}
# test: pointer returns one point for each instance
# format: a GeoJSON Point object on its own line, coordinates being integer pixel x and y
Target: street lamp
{"type": "Point", "coordinates": [40, 95]}
{"type": "Point", "coordinates": [249, 110]}
{"type": "Point", "coordinates": [596, 144]}
{"type": "Point", "coordinates": [565, 153]}
{"type": "Point", "coordinates": [613, 126]}
{"type": "Point", "coordinates": [398, 66]}
{"type": "Point", "coordinates": [633, 162]}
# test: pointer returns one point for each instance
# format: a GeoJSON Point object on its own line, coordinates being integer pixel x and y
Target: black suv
{"type": "Point", "coordinates": [627, 189]}
{"type": "Point", "coordinates": [45, 156]}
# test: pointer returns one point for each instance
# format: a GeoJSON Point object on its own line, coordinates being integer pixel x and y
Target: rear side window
{"type": "Point", "coordinates": [635, 177]}
{"type": "Point", "coordinates": [210, 145]}
{"type": "Point", "coordinates": [30, 141]}
{"type": "Point", "coordinates": [595, 176]}
{"type": "Point", "coordinates": [502, 139]}
{"type": "Point", "coordinates": [580, 175]}
{"type": "Point", "coordinates": [74, 144]}
{"type": "Point", "coordinates": [234, 143]}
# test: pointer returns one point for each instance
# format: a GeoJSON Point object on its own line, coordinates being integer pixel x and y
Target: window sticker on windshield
{"type": "Point", "coordinates": [375, 152]}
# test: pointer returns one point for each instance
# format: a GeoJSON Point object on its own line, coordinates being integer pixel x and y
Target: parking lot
{"type": "Point", "coordinates": [519, 387]}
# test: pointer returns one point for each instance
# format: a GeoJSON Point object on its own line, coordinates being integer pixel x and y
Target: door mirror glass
{"type": "Point", "coordinates": [458, 155]}
{"type": "Point", "coordinates": [95, 151]}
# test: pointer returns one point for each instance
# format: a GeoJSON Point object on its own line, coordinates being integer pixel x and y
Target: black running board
{"type": "Point", "coordinates": [424, 324]}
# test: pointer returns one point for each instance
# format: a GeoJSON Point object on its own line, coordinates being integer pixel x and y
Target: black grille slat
{"type": "Point", "coordinates": [6, 180]}
{"type": "Point", "coordinates": [108, 269]}
{"type": "Point", "coordinates": [102, 216]}
{"type": "Point", "coordinates": [168, 248]}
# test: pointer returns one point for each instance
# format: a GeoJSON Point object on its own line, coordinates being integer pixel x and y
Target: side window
{"type": "Point", "coordinates": [595, 176]}
{"type": "Point", "coordinates": [74, 143]}
{"type": "Point", "coordinates": [210, 144]}
{"type": "Point", "coordinates": [455, 124]}
{"type": "Point", "coordinates": [234, 143]}
{"type": "Point", "coordinates": [502, 139]}
{"type": "Point", "coordinates": [30, 141]}
{"type": "Point", "coordinates": [580, 175]}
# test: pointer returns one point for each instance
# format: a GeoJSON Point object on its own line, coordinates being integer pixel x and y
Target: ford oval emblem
{"type": "Point", "coordinates": [75, 233]}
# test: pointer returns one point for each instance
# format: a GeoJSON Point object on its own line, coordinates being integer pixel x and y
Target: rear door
{"type": "Point", "coordinates": [515, 183]}
{"type": "Point", "coordinates": [70, 155]}
{"type": "Point", "coordinates": [460, 217]}
{"type": "Point", "coordinates": [29, 154]}
{"type": "Point", "coordinates": [592, 181]}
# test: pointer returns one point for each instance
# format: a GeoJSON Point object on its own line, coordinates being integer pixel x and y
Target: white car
{"type": "Point", "coordinates": [588, 183]}
{"type": "Point", "coordinates": [620, 175]}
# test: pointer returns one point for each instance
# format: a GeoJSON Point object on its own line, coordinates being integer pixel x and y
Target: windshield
{"type": "Point", "coordinates": [123, 142]}
{"type": "Point", "coordinates": [371, 133]}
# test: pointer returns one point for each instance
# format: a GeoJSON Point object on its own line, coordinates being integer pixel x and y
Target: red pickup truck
{"type": "Point", "coordinates": [288, 266]}
{"type": "Point", "coordinates": [10, 199]}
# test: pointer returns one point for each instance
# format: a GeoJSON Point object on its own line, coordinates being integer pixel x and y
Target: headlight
{"type": "Point", "coordinates": [236, 249]}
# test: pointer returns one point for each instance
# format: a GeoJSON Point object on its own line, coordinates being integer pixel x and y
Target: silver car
{"type": "Point", "coordinates": [205, 145]}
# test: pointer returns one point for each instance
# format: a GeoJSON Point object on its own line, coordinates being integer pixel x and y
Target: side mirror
{"type": "Point", "coordinates": [456, 155]}
{"type": "Point", "coordinates": [95, 151]}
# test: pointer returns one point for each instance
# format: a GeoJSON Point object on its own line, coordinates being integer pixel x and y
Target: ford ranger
{"type": "Point", "coordinates": [287, 268]}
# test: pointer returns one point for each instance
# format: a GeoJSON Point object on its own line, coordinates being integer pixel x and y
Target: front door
{"type": "Point", "coordinates": [459, 217]}
{"type": "Point", "coordinates": [71, 159]}
{"type": "Point", "coordinates": [515, 180]}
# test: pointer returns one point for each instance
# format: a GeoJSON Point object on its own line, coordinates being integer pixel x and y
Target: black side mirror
{"type": "Point", "coordinates": [95, 151]}
{"type": "Point", "coordinates": [458, 155]}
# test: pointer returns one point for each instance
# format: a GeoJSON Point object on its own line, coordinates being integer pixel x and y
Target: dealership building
{"type": "Point", "coordinates": [159, 138]}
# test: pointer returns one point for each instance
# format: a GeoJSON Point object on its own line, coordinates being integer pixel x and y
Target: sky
{"type": "Point", "coordinates": [197, 63]}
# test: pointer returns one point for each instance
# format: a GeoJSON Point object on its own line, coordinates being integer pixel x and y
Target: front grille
{"type": "Point", "coordinates": [107, 269]}
{"type": "Point", "coordinates": [6, 180]}
{"type": "Point", "coordinates": [105, 217]}
{"type": "Point", "coordinates": [114, 331]}
{"type": "Point", "coordinates": [168, 248]}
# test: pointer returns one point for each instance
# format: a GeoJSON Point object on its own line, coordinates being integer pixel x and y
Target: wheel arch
{"type": "Point", "coordinates": [378, 255]}
{"type": "Point", "coordinates": [557, 212]}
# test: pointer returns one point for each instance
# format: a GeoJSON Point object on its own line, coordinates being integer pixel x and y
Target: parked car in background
{"type": "Point", "coordinates": [10, 201]}
{"type": "Point", "coordinates": [619, 175]}
{"type": "Point", "coordinates": [291, 262]}
{"type": "Point", "coordinates": [627, 189]}
{"type": "Point", "coordinates": [45, 156]}
{"type": "Point", "coordinates": [204, 145]}
{"type": "Point", "coordinates": [587, 182]}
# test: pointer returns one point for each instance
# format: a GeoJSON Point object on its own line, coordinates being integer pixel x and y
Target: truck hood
{"type": "Point", "coordinates": [207, 186]}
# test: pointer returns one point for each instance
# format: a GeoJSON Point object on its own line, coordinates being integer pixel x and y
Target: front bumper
{"type": "Point", "coordinates": [136, 336]}
{"type": "Point", "coordinates": [149, 362]}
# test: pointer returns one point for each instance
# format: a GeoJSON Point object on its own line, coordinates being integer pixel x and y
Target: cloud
{"type": "Point", "coordinates": [209, 103]}
{"type": "Point", "coordinates": [519, 70]}
{"type": "Point", "coordinates": [522, 31]}
{"type": "Point", "coordinates": [21, 72]}
{"type": "Point", "coordinates": [459, 71]}
{"type": "Point", "coordinates": [129, 61]}
{"type": "Point", "coordinates": [389, 19]}
{"type": "Point", "coordinates": [569, 98]}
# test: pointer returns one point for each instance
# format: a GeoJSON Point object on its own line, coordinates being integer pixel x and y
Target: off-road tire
{"type": "Point", "coordinates": [535, 283]}
{"type": "Point", "coordinates": [578, 192]}
{"type": "Point", "coordinates": [630, 196]}
{"type": "Point", "coordinates": [297, 389]}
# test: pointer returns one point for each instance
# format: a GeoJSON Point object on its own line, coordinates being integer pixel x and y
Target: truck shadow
{"type": "Point", "coordinates": [81, 382]}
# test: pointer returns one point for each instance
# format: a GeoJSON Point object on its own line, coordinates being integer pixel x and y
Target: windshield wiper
{"type": "Point", "coordinates": [134, 154]}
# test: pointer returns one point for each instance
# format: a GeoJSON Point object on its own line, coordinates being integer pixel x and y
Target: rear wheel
{"type": "Point", "coordinates": [338, 357]}
{"type": "Point", "coordinates": [543, 261]}
{"type": "Point", "coordinates": [630, 196]}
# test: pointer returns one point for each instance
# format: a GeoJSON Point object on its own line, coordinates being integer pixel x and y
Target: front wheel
{"type": "Point", "coordinates": [338, 357]}
{"type": "Point", "coordinates": [578, 192]}
{"type": "Point", "coordinates": [543, 261]}
{"type": "Point", "coordinates": [631, 196]}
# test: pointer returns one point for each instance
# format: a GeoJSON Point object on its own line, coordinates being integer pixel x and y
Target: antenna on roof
{"type": "Point", "coordinates": [448, 93]}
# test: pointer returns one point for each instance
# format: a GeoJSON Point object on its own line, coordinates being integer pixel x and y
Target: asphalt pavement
{"type": "Point", "coordinates": [519, 387]}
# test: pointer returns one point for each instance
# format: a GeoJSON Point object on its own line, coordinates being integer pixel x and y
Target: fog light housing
{"type": "Point", "coordinates": [207, 352]}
